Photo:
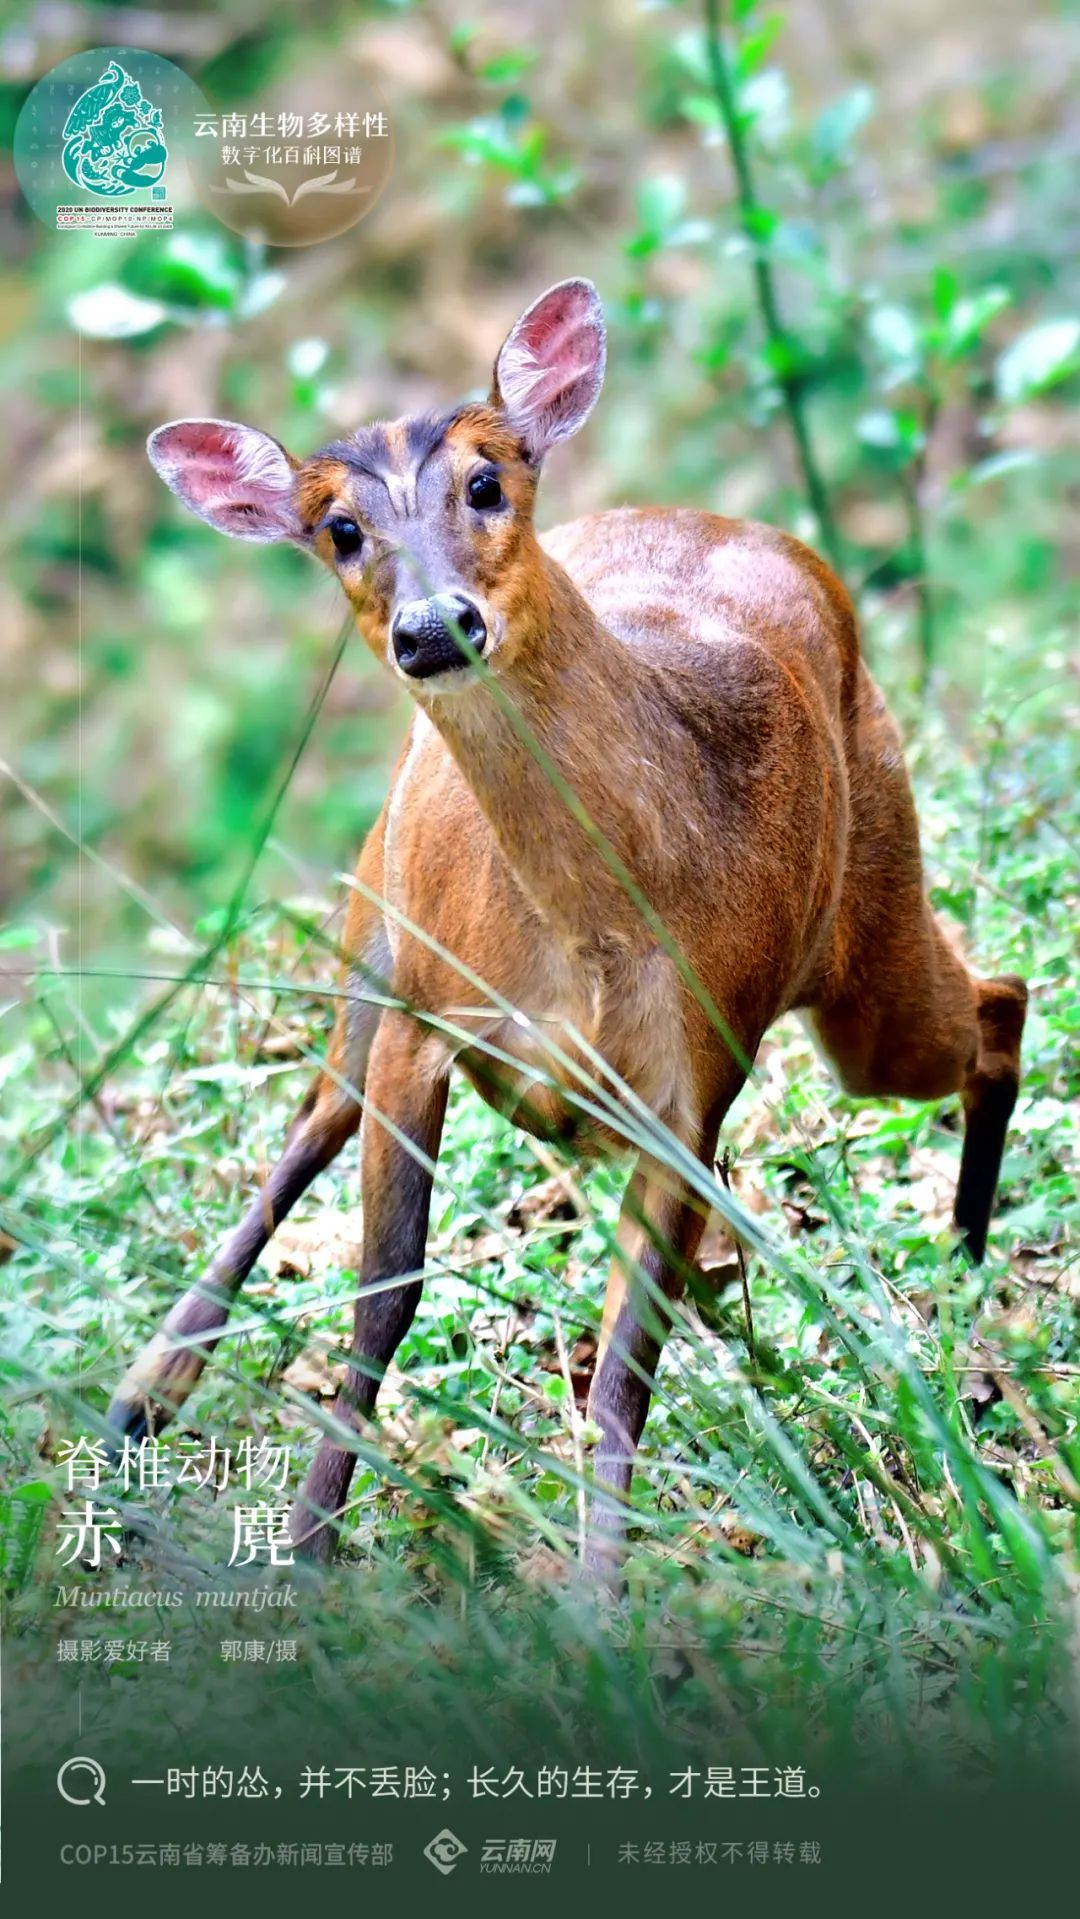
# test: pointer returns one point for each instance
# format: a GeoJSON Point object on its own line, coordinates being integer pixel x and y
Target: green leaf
{"type": "Point", "coordinates": [895, 333]}
{"type": "Point", "coordinates": [660, 200]}
{"type": "Point", "coordinates": [834, 130]}
{"type": "Point", "coordinates": [765, 103]}
{"type": "Point", "coordinates": [110, 312]}
{"type": "Point", "coordinates": [549, 1488]}
{"type": "Point", "coordinates": [889, 431]}
{"type": "Point", "coordinates": [998, 464]}
{"type": "Point", "coordinates": [17, 938]}
{"type": "Point", "coordinates": [200, 268]}
{"type": "Point", "coordinates": [969, 318]}
{"type": "Point", "coordinates": [782, 358]}
{"type": "Point", "coordinates": [259, 292]}
{"type": "Point", "coordinates": [754, 50]}
{"type": "Point", "coordinates": [233, 1073]}
{"type": "Point", "coordinates": [691, 53]}
{"type": "Point", "coordinates": [701, 108]}
{"type": "Point", "coordinates": [1038, 359]}
{"type": "Point", "coordinates": [506, 69]}
{"type": "Point", "coordinates": [36, 1492]}
{"type": "Point", "coordinates": [762, 222]}
{"type": "Point", "coordinates": [944, 290]}
{"type": "Point", "coordinates": [305, 358]}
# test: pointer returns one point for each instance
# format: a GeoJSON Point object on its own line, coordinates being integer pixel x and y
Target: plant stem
{"type": "Point", "coordinates": [913, 485]}
{"type": "Point", "coordinates": [724, 1170]}
{"type": "Point", "coordinates": [925, 624]}
{"type": "Point", "coordinates": [765, 287]}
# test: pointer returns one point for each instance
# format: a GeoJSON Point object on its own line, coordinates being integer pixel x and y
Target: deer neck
{"type": "Point", "coordinates": [573, 712]}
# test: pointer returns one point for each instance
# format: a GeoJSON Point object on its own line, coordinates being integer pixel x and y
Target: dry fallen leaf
{"type": "Point", "coordinates": [310, 1248]}
{"type": "Point", "coordinates": [739, 1537]}
{"type": "Point", "coordinates": [311, 1372]}
{"type": "Point", "coordinates": [552, 1199]}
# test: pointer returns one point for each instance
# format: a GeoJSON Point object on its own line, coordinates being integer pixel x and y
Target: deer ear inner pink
{"type": "Point", "coordinates": [238, 480]}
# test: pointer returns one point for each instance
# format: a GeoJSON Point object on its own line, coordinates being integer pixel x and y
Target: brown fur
{"type": "Point", "coordinates": [697, 683]}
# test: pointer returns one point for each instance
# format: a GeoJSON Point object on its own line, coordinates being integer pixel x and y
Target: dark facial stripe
{"type": "Point", "coordinates": [398, 450]}
{"type": "Point", "coordinates": [426, 432]}
{"type": "Point", "coordinates": [367, 452]}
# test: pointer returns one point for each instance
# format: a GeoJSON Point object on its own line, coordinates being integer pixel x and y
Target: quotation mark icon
{"type": "Point", "coordinates": [445, 1850]}
{"type": "Point", "coordinates": [77, 1789]}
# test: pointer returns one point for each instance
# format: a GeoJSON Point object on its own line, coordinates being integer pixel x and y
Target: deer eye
{"type": "Point", "coordinates": [485, 491]}
{"type": "Point", "coordinates": [346, 536]}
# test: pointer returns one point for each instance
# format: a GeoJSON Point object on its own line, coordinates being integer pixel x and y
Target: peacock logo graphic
{"type": "Point", "coordinates": [114, 140]}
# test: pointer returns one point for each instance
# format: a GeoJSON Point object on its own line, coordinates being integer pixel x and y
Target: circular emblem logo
{"type": "Point", "coordinates": [114, 139]}
{"type": "Point", "coordinates": [103, 142]}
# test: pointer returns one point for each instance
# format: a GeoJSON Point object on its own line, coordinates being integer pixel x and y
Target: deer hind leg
{"type": "Point", "coordinates": [659, 1232]}
{"type": "Point", "coordinates": [989, 1095]}
{"type": "Point", "coordinates": [155, 1387]}
{"type": "Point", "coordinates": [925, 1031]}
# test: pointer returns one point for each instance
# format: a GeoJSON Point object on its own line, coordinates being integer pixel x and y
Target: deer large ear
{"type": "Point", "coordinates": [551, 366]}
{"type": "Point", "coordinates": [237, 480]}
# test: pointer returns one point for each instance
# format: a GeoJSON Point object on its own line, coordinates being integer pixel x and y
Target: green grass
{"type": "Point", "coordinates": [862, 1537]}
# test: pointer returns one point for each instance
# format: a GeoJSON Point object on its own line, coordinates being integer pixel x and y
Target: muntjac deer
{"type": "Point", "coordinates": [696, 683]}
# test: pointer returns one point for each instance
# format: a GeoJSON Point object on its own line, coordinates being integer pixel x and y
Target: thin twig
{"type": "Point", "coordinates": [724, 1169]}
{"type": "Point", "coordinates": [780, 341]}
{"type": "Point", "coordinates": [574, 1424]}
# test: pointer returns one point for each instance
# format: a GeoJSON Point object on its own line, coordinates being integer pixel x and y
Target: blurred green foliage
{"type": "Point", "coordinates": [911, 209]}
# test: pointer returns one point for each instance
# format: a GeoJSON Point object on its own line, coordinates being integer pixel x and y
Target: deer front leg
{"type": "Point", "coordinates": [155, 1387]}
{"type": "Point", "coordinates": [403, 1118]}
{"type": "Point", "coordinates": [659, 1232]}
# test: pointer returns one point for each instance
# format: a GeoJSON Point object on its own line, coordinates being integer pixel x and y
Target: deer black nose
{"type": "Point", "coordinates": [425, 634]}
